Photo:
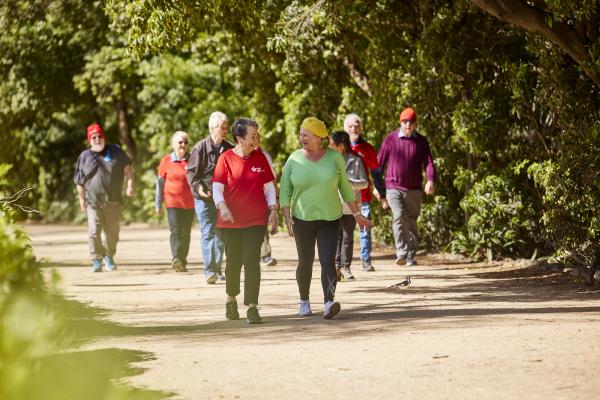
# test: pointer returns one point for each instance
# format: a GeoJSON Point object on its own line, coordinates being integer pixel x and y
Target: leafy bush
{"type": "Point", "coordinates": [35, 326]}
{"type": "Point", "coordinates": [497, 220]}
{"type": "Point", "coordinates": [571, 196]}
{"type": "Point", "coordinates": [437, 222]}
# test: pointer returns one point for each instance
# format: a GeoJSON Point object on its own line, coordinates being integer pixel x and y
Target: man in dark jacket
{"type": "Point", "coordinates": [201, 167]}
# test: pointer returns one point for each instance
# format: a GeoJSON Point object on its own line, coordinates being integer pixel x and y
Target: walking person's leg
{"type": "Point", "coordinates": [111, 214]}
{"type": "Point", "coordinates": [326, 245]}
{"type": "Point", "coordinates": [347, 226]}
{"type": "Point", "coordinates": [210, 245]}
{"type": "Point", "coordinates": [252, 238]}
{"type": "Point", "coordinates": [173, 237]}
{"type": "Point", "coordinates": [365, 239]}
{"type": "Point", "coordinates": [396, 200]}
{"type": "Point", "coordinates": [94, 237]}
{"type": "Point", "coordinates": [186, 219]}
{"type": "Point", "coordinates": [233, 239]}
{"type": "Point", "coordinates": [305, 237]}
{"type": "Point", "coordinates": [413, 209]}
{"type": "Point", "coordinates": [338, 255]}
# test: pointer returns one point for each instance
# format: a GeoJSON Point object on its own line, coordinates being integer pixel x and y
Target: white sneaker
{"type": "Point", "coordinates": [332, 308]}
{"type": "Point", "coordinates": [212, 278]}
{"type": "Point", "coordinates": [347, 274]}
{"type": "Point", "coordinates": [305, 308]}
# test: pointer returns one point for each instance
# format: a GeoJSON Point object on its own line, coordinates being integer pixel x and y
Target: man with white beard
{"type": "Point", "coordinates": [99, 176]}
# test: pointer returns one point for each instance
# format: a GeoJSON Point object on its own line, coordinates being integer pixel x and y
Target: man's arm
{"type": "Point", "coordinates": [81, 195]}
{"type": "Point", "coordinates": [195, 173]}
{"type": "Point", "coordinates": [130, 180]}
{"type": "Point", "coordinates": [429, 171]}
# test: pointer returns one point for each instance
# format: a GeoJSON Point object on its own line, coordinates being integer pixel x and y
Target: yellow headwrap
{"type": "Point", "coordinates": [315, 126]}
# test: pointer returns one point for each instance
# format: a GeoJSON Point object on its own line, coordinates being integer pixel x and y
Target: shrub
{"type": "Point", "coordinates": [436, 222]}
{"type": "Point", "coordinates": [497, 222]}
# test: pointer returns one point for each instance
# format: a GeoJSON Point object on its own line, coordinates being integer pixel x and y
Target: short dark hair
{"type": "Point", "coordinates": [342, 137]}
{"type": "Point", "coordinates": [240, 127]}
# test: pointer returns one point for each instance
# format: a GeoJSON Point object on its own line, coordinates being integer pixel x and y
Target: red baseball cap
{"type": "Point", "coordinates": [408, 115]}
{"type": "Point", "coordinates": [94, 128]}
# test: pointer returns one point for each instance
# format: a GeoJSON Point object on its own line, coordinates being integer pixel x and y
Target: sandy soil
{"type": "Point", "coordinates": [460, 330]}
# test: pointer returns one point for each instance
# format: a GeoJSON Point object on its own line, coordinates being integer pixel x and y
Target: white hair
{"type": "Point", "coordinates": [350, 116]}
{"type": "Point", "coordinates": [216, 119]}
{"type": "Point", "coordinates": [179, 134]}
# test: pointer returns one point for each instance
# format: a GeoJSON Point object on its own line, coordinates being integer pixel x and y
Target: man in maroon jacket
{"type": "Point", "coordinates": [403, 155]}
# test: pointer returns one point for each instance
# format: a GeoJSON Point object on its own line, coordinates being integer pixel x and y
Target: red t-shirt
{"type": "Point", "coordinates": [244, 180]}
{"type": "Point", "coordinates": [177, 189]}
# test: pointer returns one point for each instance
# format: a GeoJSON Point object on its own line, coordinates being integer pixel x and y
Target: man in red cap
{"type": "Point", "coordinates": [403, 156]}
{"type": "Point", "coordinates": [99, 176]}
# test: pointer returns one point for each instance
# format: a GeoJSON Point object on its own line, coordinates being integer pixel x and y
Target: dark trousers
{"type": "Point", "coordinates": [345, 244]}
{"type": "Point", "coordinates": [180, 224]}
{"type": "Point", "coordinates": [325, 234]}
{"type": "Point", "coordinates": [242, 247]}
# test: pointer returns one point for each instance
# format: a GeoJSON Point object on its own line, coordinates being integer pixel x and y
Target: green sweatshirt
{"type": "Point", "coordinates": [312, 189]}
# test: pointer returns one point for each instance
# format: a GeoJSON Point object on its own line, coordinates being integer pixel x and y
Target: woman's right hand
{"type": "Point", "coordinates": [226, 215]}
{"type": "Point", "coordinates": [289, 222]}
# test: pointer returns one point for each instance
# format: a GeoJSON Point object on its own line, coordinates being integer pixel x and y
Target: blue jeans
{"type": "Point", "coordinates": [365, 234]}
{"type": "Point", "coordinates": [210, 242]}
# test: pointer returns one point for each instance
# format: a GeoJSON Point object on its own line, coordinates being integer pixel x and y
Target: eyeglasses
{"type": "Point", "coordinates": [183, 142]}
{"type": "Point", "coordinates": [408, 122]}
{"type": "Point", "coordinates": [96, 137]}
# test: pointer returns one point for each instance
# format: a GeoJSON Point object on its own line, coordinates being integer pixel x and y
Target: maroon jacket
{"type": "Point", "coordinates": [403, 159]}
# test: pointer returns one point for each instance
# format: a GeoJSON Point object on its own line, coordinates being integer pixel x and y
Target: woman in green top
{"type": "Point", "coordinates": [313, 179]}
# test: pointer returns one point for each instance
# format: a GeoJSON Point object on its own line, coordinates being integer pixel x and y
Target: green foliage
{"type": "Point", "coordinates": [497, 220]}
{"type": "Point", "coordinates": [436, 223]}
{"type": "Point", "coordinates": [35, 327]}
{"type": "Point", "coordinates": [488, 96]}
{"type": "Point", "coordinates": [18, 267]}
{"type": "Point", "coordinates": [571, 197]}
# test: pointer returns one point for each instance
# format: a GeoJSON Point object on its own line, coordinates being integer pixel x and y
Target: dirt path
{"type": "Point", "coordinates": [465, 331]}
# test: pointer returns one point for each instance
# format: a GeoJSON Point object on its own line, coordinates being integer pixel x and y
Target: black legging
{"type": "Point", "coordinates": [325, 234]}
{"type": "Point", "coordinates": [242, 247]}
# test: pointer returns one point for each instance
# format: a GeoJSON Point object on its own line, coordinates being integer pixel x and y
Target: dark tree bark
{"type": "Point", "coordinates": [570, 38]}
{"type": "Point", "coordinates": [124, 131]}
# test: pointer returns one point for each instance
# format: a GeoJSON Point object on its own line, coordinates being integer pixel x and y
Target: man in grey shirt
{"type": "Point", "coordinates": [99, 176]}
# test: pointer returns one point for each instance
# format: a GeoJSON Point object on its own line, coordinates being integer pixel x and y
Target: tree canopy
{"type": "Point", "coordinates": [505, 91]}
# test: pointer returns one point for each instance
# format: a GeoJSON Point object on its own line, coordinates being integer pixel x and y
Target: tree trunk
{"type": "Point", "coordinates": [359, 77]}
{"type": "Point", "coordinates": [124, 131]}
{"type": "Point", "coordinates": [520, 13]}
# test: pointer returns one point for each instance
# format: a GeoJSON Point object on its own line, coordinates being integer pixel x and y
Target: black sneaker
{"type": "Point", "coordinates": [253, 316]}
{"type": "Point", "coordinates": [231, 310]}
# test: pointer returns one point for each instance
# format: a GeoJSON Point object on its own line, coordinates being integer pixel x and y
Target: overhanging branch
{"type": "Point", "coordinates": [522, 14]}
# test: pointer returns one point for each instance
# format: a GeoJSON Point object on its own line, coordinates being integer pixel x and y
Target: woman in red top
{"type": "Point", "coordinates": [244, 193]}
{"type": "Point", "coordinates": [173, 188]}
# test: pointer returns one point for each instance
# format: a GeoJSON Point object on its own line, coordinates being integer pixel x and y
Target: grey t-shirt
{"type": "Point", "coordinates": [101, 174]}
